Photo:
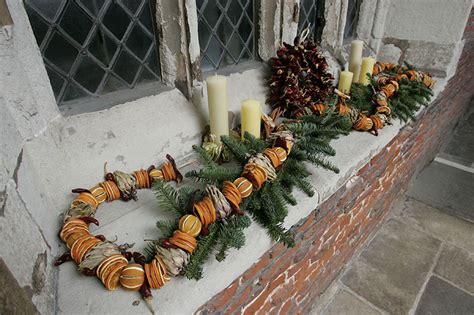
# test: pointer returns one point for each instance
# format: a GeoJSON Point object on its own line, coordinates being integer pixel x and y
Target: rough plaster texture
{"type": "Point", "coordinates": [269, 28]}
{"type": "Point", "coordinates": [289, 20]}
{"type": "Point", "coordinates": [45, 155]}
{"type": "Point", "coordinates": [332, 13]}
{"type": "Point", "coordinates": [436, 21]}
{"type": "Point", "coordinates": [428, 33]}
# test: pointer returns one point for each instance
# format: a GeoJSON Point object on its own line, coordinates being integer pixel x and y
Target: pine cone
{"type": "Point", "coordinates": [299, 78]}
{"type": "Point", "coordinates": [175, 259]}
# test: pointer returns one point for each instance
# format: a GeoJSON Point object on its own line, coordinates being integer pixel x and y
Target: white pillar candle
{"type": "Point", "coordinates": [345, 82]}
{"type": "Point", "coordinates": [366, 68]}
{"type": "Point", "coordinates": [218, 107]}
{"type": "Point", "coordinates": [251, 116]}
{"type": "Point", "coordinates": [355, 58]}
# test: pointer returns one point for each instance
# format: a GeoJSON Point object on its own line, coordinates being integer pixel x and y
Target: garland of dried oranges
{"type": "Point", "coordinates": [111, 263]}
{"type": "Point", "coordinates": [389, 77]}
{"type": "Point", "coordinates": [94, 254]}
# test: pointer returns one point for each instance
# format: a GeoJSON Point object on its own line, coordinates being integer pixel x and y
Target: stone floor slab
{"type": "Point", "coordinates": [442, 298]}
{"type": "Point", "coordinates": [390, 272]}
{"type": "Point", "coordinates": [446, 188]}
{"type": "Point", "coordinates": [457, 266]}
{"type": "Point", "coordinates": [439, 224]}
{"type": "Point", "coordinates": [347, 303]}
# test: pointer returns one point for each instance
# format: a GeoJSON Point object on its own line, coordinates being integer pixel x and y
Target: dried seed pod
{"type": "Point", "coordinates": [97, 254]}
{"type": "Point", "coordinates": [299, 78]}
{"type": "Point", "coordinates": [127, 185]}
{"type": "Point", "coordinates": [222, 206]}
{"type": "Point", "coordinates": [175, 259]}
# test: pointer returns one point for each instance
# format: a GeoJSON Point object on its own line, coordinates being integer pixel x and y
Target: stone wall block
{"type": "Point", "coordinates": [437, 21]}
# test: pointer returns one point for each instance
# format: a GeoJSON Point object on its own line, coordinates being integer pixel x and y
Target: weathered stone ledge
{"type": "Point", "coordinates": [129, 144]}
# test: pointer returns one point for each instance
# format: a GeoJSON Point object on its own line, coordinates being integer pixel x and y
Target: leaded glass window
{"type": "Point", "coordinates": [93, 47]}
{"type": "Point", "coordinates": [352, 18]}
{"type": "Point", "coordinates": [226, 32]}
{"type": "Point", "coordinates": [312, 14]}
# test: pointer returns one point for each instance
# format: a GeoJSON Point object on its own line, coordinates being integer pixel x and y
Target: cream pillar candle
{"type": "Point", "coordinates": [251, 116]}
{"type": "Point", "coordinates": [366, 68]}
{"type": "Point", "coordinates": [345, 82]}
{"type": "Point", "coordinates": [218, 108]}
{"type": "Point", "coordinates": [355, 58]}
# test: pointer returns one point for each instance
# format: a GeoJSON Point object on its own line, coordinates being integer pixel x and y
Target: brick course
{"type": "Point", "coordinates": [288, 280]}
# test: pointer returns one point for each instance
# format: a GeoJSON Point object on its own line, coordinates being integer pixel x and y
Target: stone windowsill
{"type": "Point", "coordinates": [103, 138]}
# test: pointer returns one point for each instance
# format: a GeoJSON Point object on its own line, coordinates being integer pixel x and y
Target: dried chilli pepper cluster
{"type": "Point", "coordinates": [300, 79]}
{"type": "Point", "coordinates": [94, 254]}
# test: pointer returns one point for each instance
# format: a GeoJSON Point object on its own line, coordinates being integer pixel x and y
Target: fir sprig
{"type": "Point", "coordinates": [204, 248]}
{"type": "Point", "coordinates": [212, 173]}
{"type": "Point", "coordinates": [168, 198]}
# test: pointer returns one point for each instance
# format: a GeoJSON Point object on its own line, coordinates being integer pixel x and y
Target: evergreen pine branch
{"type": "Point", "coordinates": [302, 129]}
{"type": "Point", "coordinates": [184, 197]}
{"type": "Point", "coordinates": [305, 186]}
{"type": "Point", "coordinates": [315, 146]}
{"type": "Point", "coordinates": [167, 227]}
{"type": "Point", "coordinates": [315, 159]}
{"type": "Point", "coordinates": [253, 144]}
{"type": "Point", "coordinates": [214, 175]}
{"type": "Point", "coordinates": [237, 148]}
{"type": "Point", "coordinates": [167, 197]}
{"type": "Point", "coordinates": [207, 159]}
{"type": "Point", "coordinates": [260, 211]}
{"type": "Point", "coordinates": [231, 235]}
{"type": "Point", "coordinates": [149, 251]}
{"type": "Point", "coordinates": [205, 246]}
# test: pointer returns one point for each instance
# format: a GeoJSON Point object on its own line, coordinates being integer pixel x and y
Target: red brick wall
{"type": "Point", "coordinates": [287, 280]}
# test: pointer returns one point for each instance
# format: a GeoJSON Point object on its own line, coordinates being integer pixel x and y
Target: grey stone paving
{"type": "Point", "coordinates": [421, 261]}
{"type": "Point", "coordinates": [457, 266]}
{"type": "Point", "coordinates": [442, 298]}
{"type": "Point", "coordinates": [446, 188]}
{"type": "Point", "coordinates": [438, 224]}
{"type": "Point", "coordinates": [347, 303]}
{"type": "Point", "coordinates": [392, 269]}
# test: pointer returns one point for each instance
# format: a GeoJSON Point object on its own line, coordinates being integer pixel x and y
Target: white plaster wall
{"type": "Point", "coordinates": [437, 21]}
{"type": "Point", "coordinates": [45, 155]}
{"type": "Point", "coordinates": [426, 33]}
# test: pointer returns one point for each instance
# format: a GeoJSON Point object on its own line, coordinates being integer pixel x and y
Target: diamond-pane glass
{"type": "Point", "coordinates": [93, 47]}
{"type": "Point", "coordinates": [226, 32]}
{"type": "Point", "coordinates": [352, 18]}
{"type": "Point", "coordinates": [312, 15]}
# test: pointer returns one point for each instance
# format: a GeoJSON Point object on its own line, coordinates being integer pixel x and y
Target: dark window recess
{"type": "Point", "coordinates": [312, 14]}
{"type": "Point", "coordinates": [226, 32]}
{"type": "Point", "coordinates": [94, 47]}
{"type": "Point", "coordinates": [352, 19]}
